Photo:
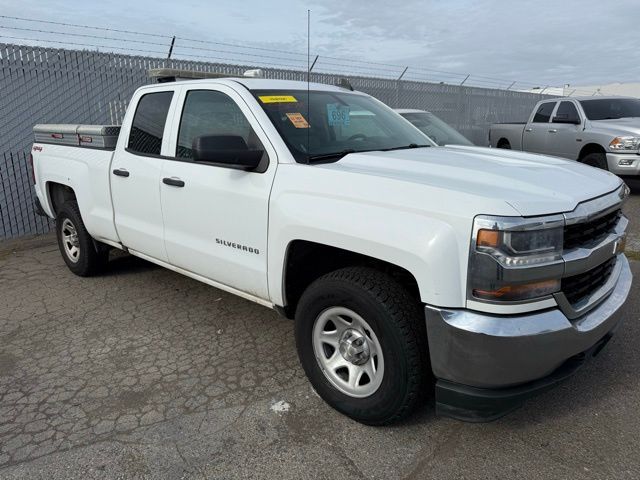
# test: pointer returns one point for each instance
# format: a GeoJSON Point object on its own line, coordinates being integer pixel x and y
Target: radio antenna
{"type": "Point", "coordinates": [308, 84]}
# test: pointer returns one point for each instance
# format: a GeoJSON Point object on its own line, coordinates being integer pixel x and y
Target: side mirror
{"type": "Point", "coordinates": [564, 118]}
{"type": "Point", "coordinates": [229, 151]}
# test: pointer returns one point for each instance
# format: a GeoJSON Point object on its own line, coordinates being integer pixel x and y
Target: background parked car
{"type": "Point", "coordinates": [435, 128]}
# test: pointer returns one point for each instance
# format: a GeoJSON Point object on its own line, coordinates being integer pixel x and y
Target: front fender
{"type": "Point", "coordinates": [429, 248]}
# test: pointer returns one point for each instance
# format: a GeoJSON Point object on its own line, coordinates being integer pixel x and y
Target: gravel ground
{"type": "Point", "coordinates": [143, 373]}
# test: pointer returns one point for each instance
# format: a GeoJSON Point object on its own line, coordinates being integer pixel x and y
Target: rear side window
{"type": "Point", "coordinates": [544, 112]}
{"type": "Point", "coordinates": [207, 112]}
{"type": "Point", "coordinates": [148, 123]}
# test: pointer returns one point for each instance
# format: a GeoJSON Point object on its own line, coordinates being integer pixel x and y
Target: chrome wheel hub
{"type": "Point", "coordinates": [354, 347]}
{"type": "Point", "coordinates": [70, 241]}
{"type": "Point", "coordinates": [348, 352]}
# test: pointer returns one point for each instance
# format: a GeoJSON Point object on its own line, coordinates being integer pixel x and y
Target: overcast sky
{"type": "Point", "coordinates": [541, 42]}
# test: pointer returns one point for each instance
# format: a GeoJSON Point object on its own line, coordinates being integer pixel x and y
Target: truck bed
{"type": "Point", "coordinates": [508, 131]}
{"type": "Point", "coordinates": [60, 157]}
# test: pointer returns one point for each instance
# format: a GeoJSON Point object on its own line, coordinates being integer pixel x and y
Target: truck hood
{"type": "Point", "coordinates": [531, 184]}
{"type": "Point", "coordinates": [618, 126]}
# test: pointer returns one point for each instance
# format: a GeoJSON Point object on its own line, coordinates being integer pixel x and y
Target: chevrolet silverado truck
{"type": "Point", "coordinates": [603, 132]}
{"type": "Point", "coordinates": [495, 272]}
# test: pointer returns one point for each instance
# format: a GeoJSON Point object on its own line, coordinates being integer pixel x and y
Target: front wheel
{"type": "Point", "coordinates": [598, 160]}
{"type": "Point", "coordinates": [362, 342]}
{"type": "Point", "coordinates": [76, 245]}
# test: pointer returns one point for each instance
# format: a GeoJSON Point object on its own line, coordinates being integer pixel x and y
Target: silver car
{"type": "Point", "coordinates": [433, 127]}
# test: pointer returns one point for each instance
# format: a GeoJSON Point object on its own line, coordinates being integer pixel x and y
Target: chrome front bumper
{"type": "Point", "coordinates": [630, 166]}
{"type": "Point", "coordinates": [498, 351]}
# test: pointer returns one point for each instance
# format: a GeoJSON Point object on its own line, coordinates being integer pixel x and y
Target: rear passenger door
{"type": "Point", "coordinates": [216, 218]}
{"type": "Point", "coordinates": [536, 132]}
{"type": "Point", "coordinates": [135, 173]}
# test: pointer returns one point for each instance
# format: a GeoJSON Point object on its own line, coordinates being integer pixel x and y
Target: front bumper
{"type": "Point", "coordinates": [630, 164]}
{"type": "Point", "coordinates": [498, 356]}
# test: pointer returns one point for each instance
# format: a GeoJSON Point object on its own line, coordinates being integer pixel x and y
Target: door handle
{"type": "Point", "coordinates": [173, 181]}
{"type": "Point", "coordinates": [528, 129]}
{"type": "Point", "coordinates": [121, 172]}
{"type": "Point", "coordinates": [553, 130]}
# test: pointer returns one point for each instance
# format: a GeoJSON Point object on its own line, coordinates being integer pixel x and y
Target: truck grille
{"type": "Point", "coordinates": [577, 287]}
{"type": "Point", "coordinates": [583, 234]}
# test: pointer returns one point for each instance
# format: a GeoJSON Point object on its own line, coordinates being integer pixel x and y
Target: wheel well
{"type": "Point", "coordinates": [590, 148]}
{"type": "Point", "coordinates": [307, 261]}
{"type": "Point", "coordinates": [59, 194]}
{"type": "Point", "coordinates": [503, 141]}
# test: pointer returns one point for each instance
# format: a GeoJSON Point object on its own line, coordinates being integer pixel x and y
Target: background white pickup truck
{"type": "Point", "coordinates": [495, 271]}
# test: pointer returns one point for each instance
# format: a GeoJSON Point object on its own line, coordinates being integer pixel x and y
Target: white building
{"type": "Point", "coordinates": [630, 89]}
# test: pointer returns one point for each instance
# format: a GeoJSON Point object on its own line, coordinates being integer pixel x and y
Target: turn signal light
{"type": "Point", "coordinates": [519, 292]}
{"type": "Point", "coordinates": [488, 238]}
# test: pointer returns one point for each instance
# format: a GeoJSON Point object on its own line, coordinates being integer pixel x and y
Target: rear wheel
{"type": "Point", "coordinates": [504, 144]}
{"type": "Point", "coordinates": [598, 160]}
{"type": "Point", "coordinates": [78, 249]}
{"type": "Point", "coordinates": [362, 342]}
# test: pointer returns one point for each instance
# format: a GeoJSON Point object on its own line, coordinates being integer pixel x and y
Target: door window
{"type": "Point", "coordinates": [544, 112]}
{"type": "Point", "coordinates": [207, 112]}
{"type": "Point", "coordinates": [567, 111]}
{"type": "Point", "coordinates": [148, 123]}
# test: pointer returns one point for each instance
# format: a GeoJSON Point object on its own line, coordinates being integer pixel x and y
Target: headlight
{"type": "Point", "coordinates": [515, 259]}
{"type": "Point", "coordinates": [625, 143]}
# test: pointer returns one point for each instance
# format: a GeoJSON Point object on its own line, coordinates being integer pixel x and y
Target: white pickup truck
{"type": "Point", "coordinates": [496, 272]}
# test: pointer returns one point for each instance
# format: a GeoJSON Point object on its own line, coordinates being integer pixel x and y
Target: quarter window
{"type": "Point", "coordinates": [148, 123]}
{"type": "Point", "coordinates": [207, 112]}
{"type": "Point", "coordinates": [544, 113]}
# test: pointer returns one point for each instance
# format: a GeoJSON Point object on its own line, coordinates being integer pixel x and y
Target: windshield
{"type": "Point", "coordinates": [436, 129]}
{"type": "Point", "coordinates": [611, 108]}
{"type": "Point", "coordinates": [335, 123]}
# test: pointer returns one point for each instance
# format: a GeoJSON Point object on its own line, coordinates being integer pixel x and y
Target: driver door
{"type": "Point", "coordinates": [216, 218]}
{"type": "Point", "coordinates": [563, 134]}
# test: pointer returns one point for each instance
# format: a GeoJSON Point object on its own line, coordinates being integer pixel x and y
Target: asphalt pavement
{"type": "Point", "coordinates": [144, 373]}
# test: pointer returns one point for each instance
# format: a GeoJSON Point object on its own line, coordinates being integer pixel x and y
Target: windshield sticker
{"type": "Point", "coordinates": [338, 114]}
{"type": "Point", "coordinates": [298, 120]}
{"type": "Point", "coordinates": [277, 99]}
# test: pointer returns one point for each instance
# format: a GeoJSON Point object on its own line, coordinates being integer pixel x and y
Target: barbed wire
{"type": "Point", "coordinates": [275, 58]}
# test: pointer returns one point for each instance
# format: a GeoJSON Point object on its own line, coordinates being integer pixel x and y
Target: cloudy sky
{"type": "Point", "coordinates": [542, 43]}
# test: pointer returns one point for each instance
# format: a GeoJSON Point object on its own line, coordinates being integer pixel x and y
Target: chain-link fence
{"type": "Point", "coordinates": [50, 85]}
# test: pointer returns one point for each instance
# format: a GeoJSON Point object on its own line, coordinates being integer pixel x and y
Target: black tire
{"type": "Point", "coordinates": [598, 160]}
{"type": "Point", "coordinates": [89, 259]}
{"type": "Point", "coordinates": [504, 144]}
{"type": "Point", "coordinates": [398, 323]}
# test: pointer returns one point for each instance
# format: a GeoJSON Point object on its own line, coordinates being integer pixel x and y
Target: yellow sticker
{"type": "Point", "coordinates": [298, 120]}
{"type": "Point", "coordinates": [277, 99]}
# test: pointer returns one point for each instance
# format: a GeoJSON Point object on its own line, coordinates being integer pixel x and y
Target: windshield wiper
{"type": "Point", "coordinates": [404, 147]}
{"type": "Point", "coordinates": [331, 156]}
